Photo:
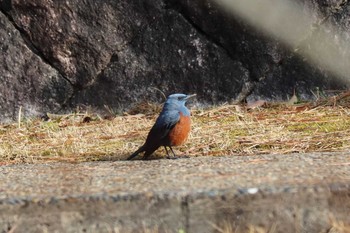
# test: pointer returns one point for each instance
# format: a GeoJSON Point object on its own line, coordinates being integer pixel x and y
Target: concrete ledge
{"type": "Point", "coordinates": [284, 193]}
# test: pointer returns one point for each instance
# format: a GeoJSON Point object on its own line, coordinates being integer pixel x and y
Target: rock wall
{"type": "Point", "coordinates": [57, 55]}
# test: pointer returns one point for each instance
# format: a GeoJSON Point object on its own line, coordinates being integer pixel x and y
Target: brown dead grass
{"type": "Point", "coordinates": [224, 130]}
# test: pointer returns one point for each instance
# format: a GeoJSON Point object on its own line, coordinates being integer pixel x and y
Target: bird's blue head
{"type": "Point", "coordinates": [177, 102]}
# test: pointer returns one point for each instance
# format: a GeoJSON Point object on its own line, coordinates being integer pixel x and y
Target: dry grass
{"type": "Point", "coordinates": [271, 130]}
{"type": "Point", "coordinates": [224, 130]}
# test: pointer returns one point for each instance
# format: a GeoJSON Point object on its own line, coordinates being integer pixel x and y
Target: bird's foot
{"type": "Point", "coordinates": [172, 157]}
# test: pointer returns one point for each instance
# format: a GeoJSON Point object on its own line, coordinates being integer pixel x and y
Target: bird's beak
{"type": "Point", "coordinates": [190, 96]}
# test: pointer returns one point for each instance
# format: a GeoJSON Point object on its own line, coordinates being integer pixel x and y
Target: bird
{"type": "Point", "coordinates": [171, 128]}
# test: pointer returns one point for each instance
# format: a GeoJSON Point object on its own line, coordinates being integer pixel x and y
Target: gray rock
{"type": "Point", "coordinates": [26, 80]}
{"type": "Point", "coordinates": [273, 70]}
{"type": "Point", "coordinates": [119, 53]}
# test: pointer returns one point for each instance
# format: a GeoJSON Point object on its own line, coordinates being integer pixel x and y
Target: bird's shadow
{"type": "Point", "coordinates": [114, 157]}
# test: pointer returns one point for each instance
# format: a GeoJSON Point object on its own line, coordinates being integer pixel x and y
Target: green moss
{"type": "Point", "coordinates": [50, 125]}
{"type": "Point", "coordinates": [46, 153]}
{"type": "Point", "coordinates": [234, 133]}
{"type": "Point", "coordinates": [324, 127]}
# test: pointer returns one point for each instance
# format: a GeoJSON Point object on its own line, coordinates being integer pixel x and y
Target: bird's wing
{"type": "Point", "coordinates": [164, 123]}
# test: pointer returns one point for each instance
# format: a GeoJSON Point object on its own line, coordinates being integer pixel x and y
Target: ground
{"type": "Point", "coordinates": [238, 130]}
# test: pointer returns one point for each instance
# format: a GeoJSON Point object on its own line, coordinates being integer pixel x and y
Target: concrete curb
{"type": "Point", "coordinates": [280, 193]}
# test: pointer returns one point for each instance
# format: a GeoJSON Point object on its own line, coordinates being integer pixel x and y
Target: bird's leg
{"type": "Point", "coordinates": [174, 155]}
{"type": "Point", "coordinates": [172, 151]}
{"type": "Point", "coordinates": [167, 153]}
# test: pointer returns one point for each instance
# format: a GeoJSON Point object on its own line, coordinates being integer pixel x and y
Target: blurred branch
{"type": "Point", "coordinates": [289, 22]}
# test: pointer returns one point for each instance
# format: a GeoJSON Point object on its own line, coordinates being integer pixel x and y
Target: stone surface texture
{"type": "Point", "coordinates": [57, 55]}
{"type": "Point", "coordinates": [286, 193]}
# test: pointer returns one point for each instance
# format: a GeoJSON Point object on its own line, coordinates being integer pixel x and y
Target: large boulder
{"type": "Point", "coordinates": [275, 71]}
{"type": "Point", "coordinates": [26, 81]}
{"type": "Point", "coordinates": [116, 53]}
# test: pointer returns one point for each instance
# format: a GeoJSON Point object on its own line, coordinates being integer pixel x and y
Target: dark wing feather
{"type": "Point", "coordinates": [164, 123]}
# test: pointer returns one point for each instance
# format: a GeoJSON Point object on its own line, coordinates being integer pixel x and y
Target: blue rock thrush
{"type": "Point", "coordinates": [171, 128]}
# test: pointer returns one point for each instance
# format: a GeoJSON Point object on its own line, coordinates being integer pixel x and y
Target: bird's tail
{"type": "Point", "coordinates": [136, 153]}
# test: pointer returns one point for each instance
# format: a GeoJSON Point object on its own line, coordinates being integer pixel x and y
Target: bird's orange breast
{"type": "Point", "coordinates": [179, 134]}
